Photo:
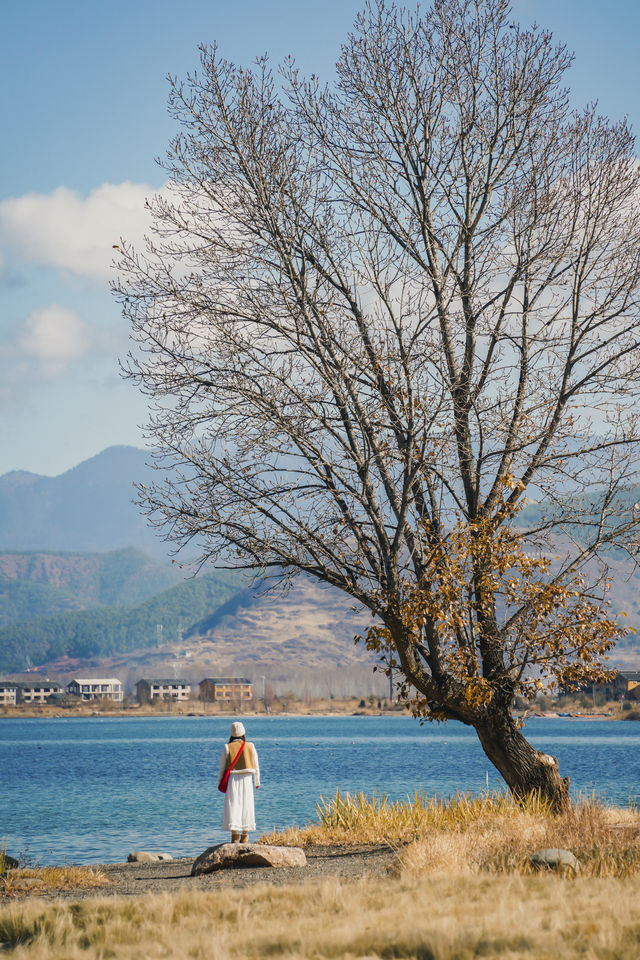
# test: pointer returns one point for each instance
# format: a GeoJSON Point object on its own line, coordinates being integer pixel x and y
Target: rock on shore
{"type": "Point", "coordinates": [144, 856]}
{"type": "Point", "coordinates": [554, 858]}
{"type": "Point", "coordinates": [225, 856]}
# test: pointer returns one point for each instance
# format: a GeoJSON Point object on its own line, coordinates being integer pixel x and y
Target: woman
{"type": "Point", "coordinates": [239, 816]}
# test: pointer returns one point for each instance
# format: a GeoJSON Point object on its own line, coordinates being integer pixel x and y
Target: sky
{"type": "Point", "coordinates": [84, 118]}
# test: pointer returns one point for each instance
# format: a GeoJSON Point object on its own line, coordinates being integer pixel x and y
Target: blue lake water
{"type": "Point", "coordinates": [90, 790]}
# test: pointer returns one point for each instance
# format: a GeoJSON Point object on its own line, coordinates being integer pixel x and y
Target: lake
{"type": "Point", "coordinates": [90, 790]}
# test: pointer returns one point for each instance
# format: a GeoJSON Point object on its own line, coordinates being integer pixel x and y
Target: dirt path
{"type": "Point", "coordinates": [134, 879]}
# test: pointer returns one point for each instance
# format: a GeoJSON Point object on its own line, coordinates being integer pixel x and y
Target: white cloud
{"type": "Point", "coordinates": [72, 233]}
{"type": "Point", "coordinates": [54, 336]}
{"type": "Point", "coordinates": [52, 346]}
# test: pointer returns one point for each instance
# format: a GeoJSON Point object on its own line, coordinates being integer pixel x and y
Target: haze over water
{"type": "Point", "coordinates": [91, 790]}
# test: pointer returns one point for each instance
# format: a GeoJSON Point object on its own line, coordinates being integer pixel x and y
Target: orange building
{"type": "Point", "coordinates": [226, 688]}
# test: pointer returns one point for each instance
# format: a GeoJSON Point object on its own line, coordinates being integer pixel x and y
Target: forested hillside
{"type": "Point", "coordinates": [103, 631]}
{"type": "Point", "coordinates": [43, 583]}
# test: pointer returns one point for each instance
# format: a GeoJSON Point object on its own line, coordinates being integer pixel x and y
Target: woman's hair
{"type": "Point", "coordinates": [231, 739]}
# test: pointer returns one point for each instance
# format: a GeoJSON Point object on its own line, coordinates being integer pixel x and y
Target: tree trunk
{"type": "Point", "coordinates": [525, 769]}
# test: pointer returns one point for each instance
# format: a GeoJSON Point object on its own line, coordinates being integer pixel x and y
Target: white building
{"type": "Point", "coordinates": [95, 688]}
{"type": "Point", "coordinates": [8, 692]}
{"type": "Point", "coordinates": [38, 692]}
{"type": "Point", "coordinates": [147, 690]}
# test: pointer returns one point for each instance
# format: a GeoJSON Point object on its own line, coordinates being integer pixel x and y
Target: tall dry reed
{"type": "Point", "coordinates": [466, 834]}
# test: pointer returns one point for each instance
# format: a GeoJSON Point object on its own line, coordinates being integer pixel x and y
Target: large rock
{"type": "Point", "coordinates": [143, 856]}
{"type": "Point", "coordinates": [554, 858]}
{"type": "Point", "coordinates": [225, 856]}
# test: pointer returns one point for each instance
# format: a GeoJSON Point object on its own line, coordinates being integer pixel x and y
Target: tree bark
{"type": "Point", "coordinates": [524, 769]}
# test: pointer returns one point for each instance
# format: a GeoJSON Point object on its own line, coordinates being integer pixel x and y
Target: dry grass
{"type": "Point", "coordinates": [354, 819]}
{"type": "Point", "coordinates": [435, 918]}
{"type": "Point", "coordinates": [468, 834]}
{"type": "Point", "coordinates": [45, 880]}
{"type": "Point", "coordinates": [461, 889]}
{"type": "Point", "coordinates": [505, 843]}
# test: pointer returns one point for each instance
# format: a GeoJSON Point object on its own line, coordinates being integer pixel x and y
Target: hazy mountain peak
{"type": "Point", "coordinates": [87, 508]}
{"type": "Point", "coordinates": [119, 457]}
{"type": "Point", "coordinates": [18, 478]}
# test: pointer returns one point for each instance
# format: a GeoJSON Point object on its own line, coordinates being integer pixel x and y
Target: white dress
{"type": "Point", "coordinates": [239, 812]}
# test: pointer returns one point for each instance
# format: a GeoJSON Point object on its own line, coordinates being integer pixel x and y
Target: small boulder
{"type": "Point", "coordinates": [554, 858]}
{"type": "Point", "coordinates": [7, 863]}
{"type": "Point", "coordinates": [226, 856]}
{"type": "Point", "coordinates": [143, 856]}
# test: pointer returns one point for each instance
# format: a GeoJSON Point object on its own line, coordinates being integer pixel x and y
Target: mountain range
{"type": "Point", "coordinates": [84, 581]}
{"type": "Point", "coordinates": [88, 508]}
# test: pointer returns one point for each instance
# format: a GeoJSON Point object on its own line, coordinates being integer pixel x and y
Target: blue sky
{"type": "Point", "coordinates": [83, 118]}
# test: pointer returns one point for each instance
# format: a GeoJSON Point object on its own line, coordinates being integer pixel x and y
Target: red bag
{"type": "Point", "coordinates": [224, 783]}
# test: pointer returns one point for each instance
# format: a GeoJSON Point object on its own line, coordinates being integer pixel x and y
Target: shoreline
{"type": "Point", "coordinates": [133, 715]}
{"type": "Point", "coordinates": [339, 861]}
{"type": "Point", "coordinates": [55, 713]}
{"type": "Point", "coordinates": [281, 707]}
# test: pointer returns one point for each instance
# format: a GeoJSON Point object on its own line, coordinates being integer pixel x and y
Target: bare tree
{"type": "Point", "coordinates": [389, 330]}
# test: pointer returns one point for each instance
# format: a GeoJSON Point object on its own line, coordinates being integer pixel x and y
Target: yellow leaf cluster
{"type": "Point", "coordinates": [497, 614]}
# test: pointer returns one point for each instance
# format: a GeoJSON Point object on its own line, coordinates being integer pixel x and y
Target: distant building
{"type": "Point", "coordinates": [92, 688]}
{"type": "Point", "coordinates": [147, 690]}
{"type": "Point", "coordinates": [8, 692]}
{"type": "Point", "coordinates": [630, 683]}
{"type": "Point", "coordinates": [226, 688]}
{"type": "Point", "coordinates": [633, 690]}
{"type": "Point", "coordinates": [39, 692]}
{"type": "Point", "coordinates": [623, 686]}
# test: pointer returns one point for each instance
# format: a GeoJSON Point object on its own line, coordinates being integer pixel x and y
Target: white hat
{"type": "Point", "coordinates": [237, 729]}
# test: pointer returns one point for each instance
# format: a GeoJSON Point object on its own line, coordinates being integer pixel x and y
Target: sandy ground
{"type": "Point", "coordinates": [135, 879]}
